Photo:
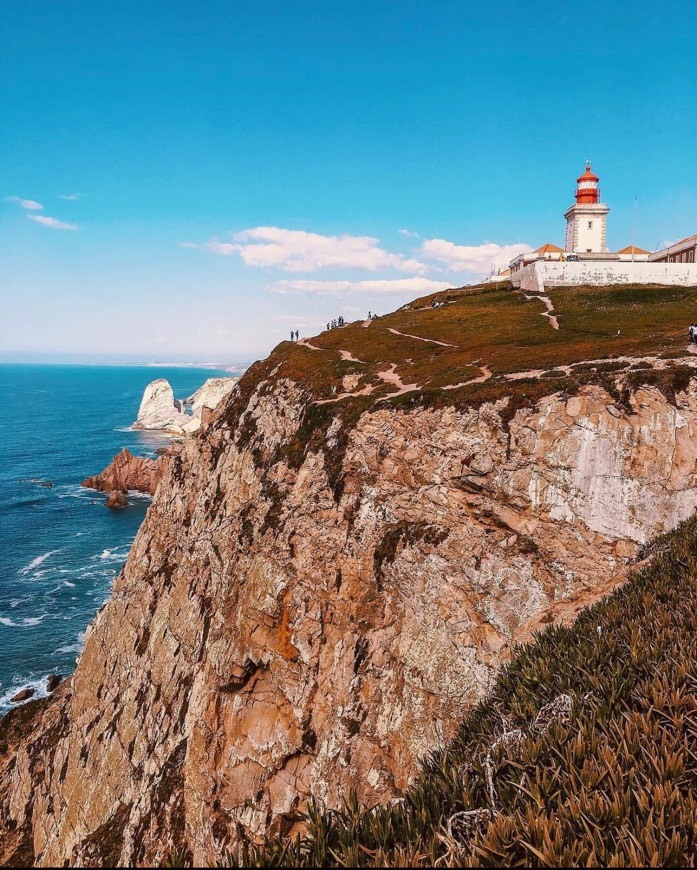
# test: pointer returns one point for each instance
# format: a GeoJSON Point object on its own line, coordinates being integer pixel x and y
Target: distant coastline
{"type": "Point", "coordinates": [233, 368]}
{"type": "Point", "coordinates": [225, 367]}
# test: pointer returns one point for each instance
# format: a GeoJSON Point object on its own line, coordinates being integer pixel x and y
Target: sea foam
{"type": "Point", "coordinates": [36, 562]}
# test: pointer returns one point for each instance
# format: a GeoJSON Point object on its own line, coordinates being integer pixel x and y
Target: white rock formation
{"type": "Point", "coordinates": [210, 395]}
{"type": "Point", "coordinates": [160, 410]}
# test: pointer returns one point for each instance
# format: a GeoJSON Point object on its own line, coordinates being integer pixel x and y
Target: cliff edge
{"type": "Point", "coordinates": [332, 572]}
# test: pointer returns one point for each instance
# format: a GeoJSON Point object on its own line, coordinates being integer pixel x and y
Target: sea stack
{"type": "Point", "coordinates": [159, 409]}
{"type": "Point", "coordinates": [124, 472]}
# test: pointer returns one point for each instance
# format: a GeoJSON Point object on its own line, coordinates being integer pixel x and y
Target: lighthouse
{"type": "Point", "coordinates": [586, 221]}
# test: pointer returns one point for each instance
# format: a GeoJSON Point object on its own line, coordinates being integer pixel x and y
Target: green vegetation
{"type": "Point", "coordinates": [490, 326]}
{"type": "Point", "coordinates": [584, 755]}
{"type": "Point", "coordinates": [483, 333]}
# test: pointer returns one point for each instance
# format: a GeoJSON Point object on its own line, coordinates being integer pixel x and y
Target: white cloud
{"type": "Point", "coordinates": [475, 259]}
{"type": "Point", "coordinates": [394, 285]}
{"type": "Point", "coordinates": [53, 223]}
{"type": "Point", "coordinates": [26, 204]}
{"type": "Point", "coordinates": [69, 196]}
{"type": "Point", "coordinates": [300, 251]}
{"type": "Point", "coordinates": [410, 234]}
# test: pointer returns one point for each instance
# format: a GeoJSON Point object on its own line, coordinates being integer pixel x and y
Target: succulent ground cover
{"type": "Point", "coordinates": [585, 754]}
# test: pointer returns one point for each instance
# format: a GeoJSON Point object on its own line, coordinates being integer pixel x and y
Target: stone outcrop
{"type": "Point", "coordinates": [126, 471]}
{"type": "Point", "coordinates": [22, 695]}
{"type": "Point", "coordinates": [302, 623]}
{"type": "Point", "coordinates": [159, 409]}
{"type": "Point", "coordinates": [116, 499]}
{"type": "Point", "coordinates": [210, 395]}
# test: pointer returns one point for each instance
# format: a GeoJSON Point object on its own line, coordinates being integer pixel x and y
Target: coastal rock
{"type": "Point", "coordinates": [210, 395]}
{"type": "Point", "coordinates": [24, 695]}
{"type": "Point", "coordinates": [116, 500]}
{"type": "Point", "coordinates": [160, 410]}
{"type": "Point", "coordinates": [53, 681]}
{"type": "Point", "coordinates": [303, 623]}
{"type": "Point", "coordinates": [125, 472]}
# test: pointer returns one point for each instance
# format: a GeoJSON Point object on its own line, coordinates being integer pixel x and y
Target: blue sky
{"type": "Point", "coordinates": [213, 174]}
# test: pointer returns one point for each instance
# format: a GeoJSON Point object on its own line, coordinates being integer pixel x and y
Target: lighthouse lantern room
{"type": "Point", "coordinates": [586, 221]}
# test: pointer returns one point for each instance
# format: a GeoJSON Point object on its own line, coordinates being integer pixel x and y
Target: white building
{"type": "Point", "coordinates": [586, 260]}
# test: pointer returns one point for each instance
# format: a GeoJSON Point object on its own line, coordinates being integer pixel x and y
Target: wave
{"type": "Point", "coordinates": [38, 685]}
{"type": "Point", "coordinates": [73, 647]}
{"type": "Point", "coordinates": [36, 562]}
{"type": "Point", "coordinates": [27, 622]}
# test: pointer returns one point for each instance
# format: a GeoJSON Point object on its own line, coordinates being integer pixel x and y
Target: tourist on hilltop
{"type": "Point", "coordinates": [692, 332]}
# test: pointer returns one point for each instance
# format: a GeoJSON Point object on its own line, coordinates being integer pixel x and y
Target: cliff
{"type": "Point", "coordinates": [333, 571]}
{"type": "Point", "coordinates": [582, 755]}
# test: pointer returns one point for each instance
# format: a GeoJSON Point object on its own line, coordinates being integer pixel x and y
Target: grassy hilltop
{"type": "Point", "coordinates": [490, 327]}
{"type": "Point", "coordinates": [480, 344]}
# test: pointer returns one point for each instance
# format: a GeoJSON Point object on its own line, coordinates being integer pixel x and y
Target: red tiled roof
{"type": "Point", "coordinates": [548, 248]}
{"type": "Point", "coordinates": [632, 249]}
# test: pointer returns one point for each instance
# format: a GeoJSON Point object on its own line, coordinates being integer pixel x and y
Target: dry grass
{"type": "Point", "coordinates": [486, 328]}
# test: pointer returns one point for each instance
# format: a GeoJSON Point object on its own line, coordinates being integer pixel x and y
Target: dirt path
{"type": "Point", "coordinates": [652, 361]}
{"type": "Point", "coordinates": [366, 391]}
{"type": "Point", "coordinates": [485, 375]}
{"type": "Point", "coordinates": [347, 356]}
{"type": "Point", "coordinates": [305, 343]}
{"type": "Point", "coordinates": [390, 376]}
{"type": "Point", "coordinates": [554, 323]}
{"type": "Point", "coordinates": [418, 338]}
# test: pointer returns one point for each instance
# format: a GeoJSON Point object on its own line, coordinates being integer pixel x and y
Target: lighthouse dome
{"type": "Point", "coordinates": [587, 186]}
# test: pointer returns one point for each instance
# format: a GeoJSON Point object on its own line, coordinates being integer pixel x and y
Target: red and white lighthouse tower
{"type": "Point", "coordinates": [586, 222]}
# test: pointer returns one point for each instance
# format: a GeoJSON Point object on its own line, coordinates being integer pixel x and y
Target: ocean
{"type": "Point", "coordinates": [60, 547]}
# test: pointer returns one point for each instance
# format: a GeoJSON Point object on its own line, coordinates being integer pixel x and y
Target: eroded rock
{"type": "Point", "coordinates": [125, 472]}
{"type": "Point", "coordinates": [53, 681]}
{"type": "Point", "coordinates": [160, 410]}
{"type": "Point", "coordinates": [275, 635]}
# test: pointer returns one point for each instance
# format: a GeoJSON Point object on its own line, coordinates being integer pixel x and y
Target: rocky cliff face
{"type": "Point", "coordinates": [300, 624]}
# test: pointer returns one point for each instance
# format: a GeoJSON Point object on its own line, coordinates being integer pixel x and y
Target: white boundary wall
{"type": "Point", "coordinates": [536, 276]}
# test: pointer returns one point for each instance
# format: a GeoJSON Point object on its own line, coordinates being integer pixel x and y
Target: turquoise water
{"type": "Point", "coordinates": [60, 548]}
